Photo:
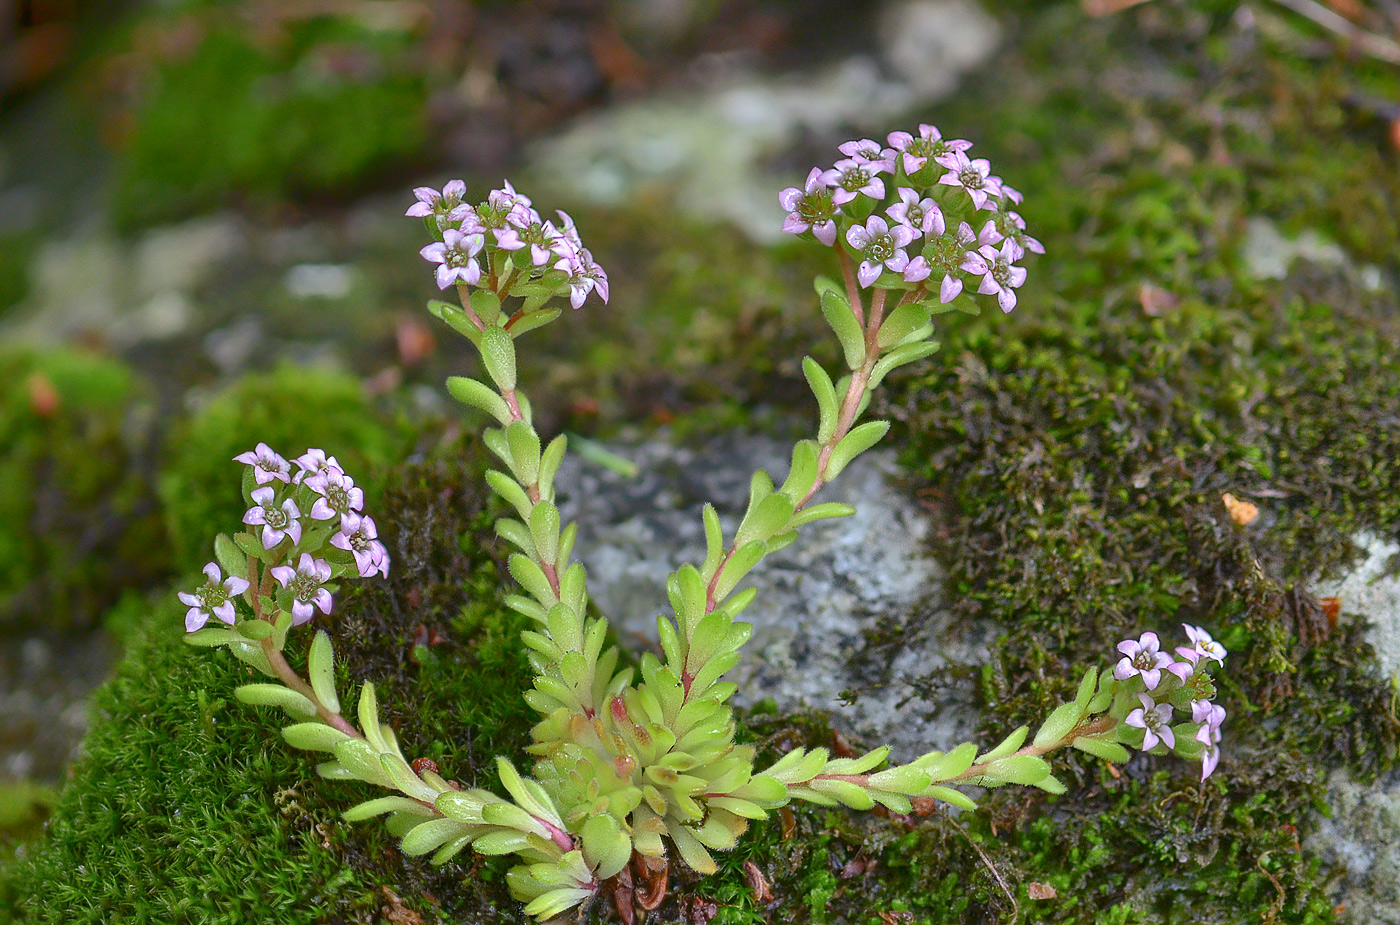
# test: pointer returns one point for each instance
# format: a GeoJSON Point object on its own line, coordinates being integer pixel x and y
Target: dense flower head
{"type": "Point", "coordinates": [1000, 276]}
{"type": "Point", "coordinates": [929, 187]}
{"type": "Point", "coordinates": [503, 244]}
{"type": "Point", "coordinates": [1142, 658]}
{"type": "Point", "coordinates": [338, 495]}
{"type": "Point", "coordinates": [455, 256]}
{"type": "Point", "coordinates": [868, 153]}
{"type": "Point", "coordinates": [315, 462]}
{"type": "Point", "coordinates": [282, 520]}
{"type": "Point", "coordinates": [1162, 686]}
{"type": "Point", "coordinates": [972, 176]}
{"type": "Point", "coordinates": [917, 151]}
{"type": "Point", "coordinates": [851, 178]}
{"type": "Point", "coordinates": [1202, 646]}
{"type": "Point", "coordinates": [920, 215]}
{"type": "Point", "coordinates": [810, 208]}
{"type": "Point", "coordinates": [879, 247]}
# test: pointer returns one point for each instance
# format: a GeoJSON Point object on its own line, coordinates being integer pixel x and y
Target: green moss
{"type": "Point", "coordinates": [16, 253]}
{"type": "Point", "coordinates": [1080, 451]}
{"type": "Point", "coordinates": [1077, 454]}
{"type": "Point", "coordinates": [78, 518]}
{"type": "Point", "coordinates": [187, 808]}
{"type": "Point", "coordinates": [290, 409]}
{"type": "Point", "coordinates": [309, 105]}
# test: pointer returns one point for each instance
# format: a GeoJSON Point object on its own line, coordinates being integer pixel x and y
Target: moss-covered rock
{"type": "Point", "coordinates": [302, 105]}
{"type": "Point", "coordinates": [187, 807]}
{"type": "Point", "coordinates": [78, 515]}
{"type": "Point", "coordinates": [289, 409]}
{"type": "Point", "coordinates": [1079, 453]}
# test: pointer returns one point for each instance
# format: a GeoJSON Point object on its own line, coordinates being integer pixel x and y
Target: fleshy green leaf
{"type": "Point", "coordinates": [1007, 746]}
{"type": "Point", "coordinates": [479, 395]}
{"type": "Point", "coordinates": [498, 355]}
{"type": "Point", "coordinates": [372, 808]}
{"type": "Point", "coordinates": [430, 835]}
{"type": "Point", "coordinates": [1101, 748]}
{"type": "Point", "coordinates": [853, 444]}
{"type": "Point", "coordinates": [900, 356]}
{"type": "Point", "coordinates": [852, 795]}
{"type": "Point", "coordinates": [827, 403]}
{"type": "Point", "coordinates": [848, 330]}
{"type": "Point", "coordinates": [456, 319]}
{"type": "Point", "coordinates": [605, 847]}
{"type": "Point", "coordinates": [1058, 724]}
{"type": "Point", "coordinates": [231, 559]}
{"type": "Point", "coordinates": [486, 304]}
{"type": "Point", "coordinates": [949, 795]}
{"type": "Point", "coordinates": [1017, 769]}
{"type": "Point", "coordinates": [275, 695]}
{"type": "Point", "coordinates": [254, 629]}
{"type": "Point", "coordinates": [320, 665]}
{"type": "Point", "coordinates": [313, 737]}
{"type": "Point", "coordinates": [211, 636]}
{"type": "Point", "coordinates": [903, 321]}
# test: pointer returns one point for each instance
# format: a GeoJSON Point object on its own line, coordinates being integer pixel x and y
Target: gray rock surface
{"type": "Point", "coordinates": [1372, 589]}
{"type": "Point", "coordinates": [707, 151]}
{"type": "Point", "coordinates": [45, 685]}
{"type": "Point", "coordinates": [1268, 254]}
{"type": "Point", "coordinates": [94, 285]}
{"type": "Point", "coordinates": [1363, 831]}
{"type": "Point", "coordinates": [818, 599]}
{"type": "Point", "coordinates": [1363, 834]}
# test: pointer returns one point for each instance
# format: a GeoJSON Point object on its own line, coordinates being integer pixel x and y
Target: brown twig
{"type": "Point", "coordinates": [1377, 46]}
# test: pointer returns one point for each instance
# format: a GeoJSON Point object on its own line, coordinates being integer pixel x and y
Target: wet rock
{"type": "Point", "coordinates": [821, 602]}
{"type": "Point", "coordinates": [232, 347]}
{"type": "Point", "coordinates": [75, 286]}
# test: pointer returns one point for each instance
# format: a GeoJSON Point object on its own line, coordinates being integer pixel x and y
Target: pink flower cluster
{"type": "Point", "coordinates": [295, 514]}
{"type": "Point", "coordinates": [472, 236]}
{"type": "Point", "coordinates": [937, 192]}
{"type": "Point", "coordinates": [1167, 685]}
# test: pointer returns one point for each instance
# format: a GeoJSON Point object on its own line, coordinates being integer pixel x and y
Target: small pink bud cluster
{"type": "Point", "coordinates": [1163, 685]}
{"type": "Point", "coordinates": [918, 227]}
{"type": "Point", "coordinates": [502, 243]}
{"type": "Point", "coordinates": [295, 517]}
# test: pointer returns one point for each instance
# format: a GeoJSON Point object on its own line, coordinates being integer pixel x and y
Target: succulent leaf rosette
{"type": "Point", "coordinates": [632, 770]}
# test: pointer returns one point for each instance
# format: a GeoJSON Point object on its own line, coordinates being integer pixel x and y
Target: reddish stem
{"type": "Point", "coordinates": [289, 677]}
{"type": "Point", "coordinates": [850, 406]}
